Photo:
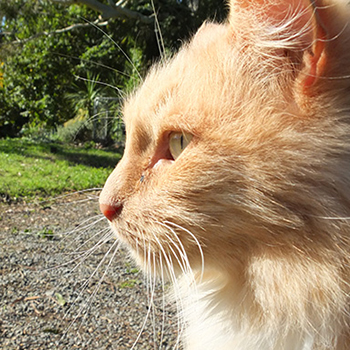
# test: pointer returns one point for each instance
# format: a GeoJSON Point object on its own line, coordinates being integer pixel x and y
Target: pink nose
{"type": "Point", "coordinates": [111, 211]}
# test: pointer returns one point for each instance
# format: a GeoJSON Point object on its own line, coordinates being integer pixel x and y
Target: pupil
{"type": "Point", "coordinates": [182, 141]}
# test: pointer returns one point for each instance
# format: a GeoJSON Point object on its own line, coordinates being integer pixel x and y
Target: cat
{"type": "Point", "coordinates": [235, 180]}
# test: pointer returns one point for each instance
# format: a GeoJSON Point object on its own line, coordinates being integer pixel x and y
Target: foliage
{"type": "Point", "coordinates": [41, 63]}
{"type": "Point", "coordinates": [83, 98]}
{"type": "Point", "coordinates": [74, 130]}
{"type": "Point", "coordinates": [46, 233]}
{"type": "Point", "coordinates": [37, 71]}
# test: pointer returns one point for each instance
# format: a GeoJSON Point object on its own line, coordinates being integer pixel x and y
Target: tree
{"type": "Point", "coordinates": [112, 10]}
{"type": "Point", "coordinates": [38, 72]}
{"type": "Point", "coordinates": [46, 44]}
{"type": "Point", "coordinates": [83, 99]}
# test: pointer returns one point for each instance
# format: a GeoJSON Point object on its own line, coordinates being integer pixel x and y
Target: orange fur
{"type": "Point", "coordinates": [252, 221]}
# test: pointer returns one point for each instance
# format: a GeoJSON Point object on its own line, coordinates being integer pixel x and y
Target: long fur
{"type": "Point", "coordinates": [252, 221]}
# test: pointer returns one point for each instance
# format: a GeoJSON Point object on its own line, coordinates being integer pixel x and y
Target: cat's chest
{"type": "Point", "coordinates": [223, 334]}
{"type": "Point", "coordinates": [216, 319]}
{"type": "Point", "coordinates": [215, 338]}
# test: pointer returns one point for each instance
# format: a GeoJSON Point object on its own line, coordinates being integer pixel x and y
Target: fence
{"type": "Point", "coordinates": [107, 124]}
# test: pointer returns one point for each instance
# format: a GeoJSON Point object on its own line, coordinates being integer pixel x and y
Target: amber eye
{"type": "Point", "coordinates": [178, 141]}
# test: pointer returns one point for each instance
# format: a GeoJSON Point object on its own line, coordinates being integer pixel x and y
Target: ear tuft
{"type": "Point", "coordinates": [294, 25]}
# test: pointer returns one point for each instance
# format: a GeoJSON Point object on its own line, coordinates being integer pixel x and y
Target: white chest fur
{"type": "Point", "coordinates": [219, 316]}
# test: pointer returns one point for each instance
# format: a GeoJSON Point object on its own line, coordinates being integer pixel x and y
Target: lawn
{"type": "Point", "coordinates": [39, 169]}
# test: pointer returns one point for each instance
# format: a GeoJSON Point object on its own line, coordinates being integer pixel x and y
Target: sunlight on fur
{"type": "Point", "coordinates": [249, 219]}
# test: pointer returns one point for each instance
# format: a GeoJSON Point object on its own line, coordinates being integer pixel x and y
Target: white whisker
{"type": "Point", "coordinates": [85, 284]}
{"type": "Point", "coordinates": [117, 45]}
{"type": "Point", "coordinates": [195, 240]}
{"type": "Point", "coordinates": [158, 32]}
{"type": "Point", "coordinates": [150, 296]}
{"type": "Point", "coordinates": [115, 245]}
{"type": "Point", "coordinates": [101, 83]}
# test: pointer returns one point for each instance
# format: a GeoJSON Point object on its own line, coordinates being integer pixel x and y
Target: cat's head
{"type": "Point", "coordinates": [237, 143]}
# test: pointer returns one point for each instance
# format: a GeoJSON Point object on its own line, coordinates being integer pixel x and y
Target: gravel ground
{"type": "Point", "coordinates": [52, 298]}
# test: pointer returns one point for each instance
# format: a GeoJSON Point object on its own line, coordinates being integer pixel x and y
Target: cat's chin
{"type": "Point", "coordinates": [153, 266]}
{"type": "Point", "coordinates": [148, 258]}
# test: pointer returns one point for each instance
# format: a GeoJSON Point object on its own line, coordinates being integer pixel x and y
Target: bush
{"type": "Point", "coordinates": [75, 130]}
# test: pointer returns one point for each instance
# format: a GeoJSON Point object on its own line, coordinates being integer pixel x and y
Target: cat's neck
{"type": "Point", "coordinates": [223, 313]}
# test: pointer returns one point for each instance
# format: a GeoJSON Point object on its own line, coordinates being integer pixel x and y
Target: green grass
{"type": "Point", "coordinates": [29, 169]}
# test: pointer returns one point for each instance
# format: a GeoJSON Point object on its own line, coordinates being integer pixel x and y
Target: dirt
{"type": "Point", "coordinates": [64, 285]}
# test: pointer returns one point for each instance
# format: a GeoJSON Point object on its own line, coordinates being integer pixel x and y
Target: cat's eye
{"type": "Point", "coordinates": [178, 141]}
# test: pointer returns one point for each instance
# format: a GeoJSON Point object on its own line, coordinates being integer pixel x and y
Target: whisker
{"type": "Point", "coordinates": [153, 288]}
{"type": "Point", "coordinates": [176, 288]}
{"type": "Point", "coordinates": [150, 302]}
{"type": "Point", "coordinates": [117, 45]}
{"type": "Point", "coordinates": [82, 258]}
{"type": "Point", "coordinates": [117, 245]}
{"type": "Point", "coordinates": [85, 254]}
{"type": "Point", "coordinates": [98, 64]}
{"type": "Point", "coordinates": [196, 241]}
{"type": "Point", "coordinates": [333, 217]}
{"type": "Point", "coordinates": [163, 300]}
{"type": "Point", "coordinates": [97, 218]}
{"type": "Point", "coordinates": [178, 303]}
{"type": "Point", "coordinates": [158, 32]}
{"type": "Point", "coordinates": [101, 83]}
{"type": "Point", "coordinates": [85, 284]}
{"type": "Point", "coordinates": [185, 262]}
{"type": "Point", "coordinates": [70, 194]}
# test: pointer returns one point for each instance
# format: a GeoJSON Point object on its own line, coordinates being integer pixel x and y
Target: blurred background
{"type": "Point", "coordinates": [65, 66]}
{"type": "Point", "coordinates": [64, 61]}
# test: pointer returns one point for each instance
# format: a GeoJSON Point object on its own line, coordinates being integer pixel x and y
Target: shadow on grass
{"type": "Point", "coordinates": [84, 157]}
{"type": "Point", "coordinates": [102, 158]}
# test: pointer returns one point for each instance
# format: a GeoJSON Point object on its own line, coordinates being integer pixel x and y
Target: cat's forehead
{"type": "Point", "coordinates": [216, 87]}
{"type": "Point", "coordinates": [177, 92]}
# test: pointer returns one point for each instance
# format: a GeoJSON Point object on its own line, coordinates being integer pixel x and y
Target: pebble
{"type": "Point", "coordinates": [51, 300]}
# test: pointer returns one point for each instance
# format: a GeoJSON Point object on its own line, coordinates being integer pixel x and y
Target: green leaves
{"type": "Point", "coordinates": [44, 46]}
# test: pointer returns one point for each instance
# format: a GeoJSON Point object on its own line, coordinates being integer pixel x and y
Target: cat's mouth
{"type": "Point", "coordinates": [136, 239]}
{"type": "Point", "coordinates": [150, 256]}
{"type": "Point", "coordinates": [158, 250]}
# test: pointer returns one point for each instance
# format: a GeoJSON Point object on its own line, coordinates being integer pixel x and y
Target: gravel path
{"type": "Point", "coordinates": [51, 298]}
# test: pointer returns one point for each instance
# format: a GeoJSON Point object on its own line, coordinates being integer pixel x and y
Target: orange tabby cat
{"type": "Point", "coordinates": [235, 182]}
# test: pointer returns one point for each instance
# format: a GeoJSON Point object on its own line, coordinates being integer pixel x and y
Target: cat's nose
{"type": "Point", "coordinates": [111, 211]}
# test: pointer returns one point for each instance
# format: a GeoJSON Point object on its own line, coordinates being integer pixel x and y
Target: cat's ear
{"type": "Point", "coordinates": [298, 25]}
